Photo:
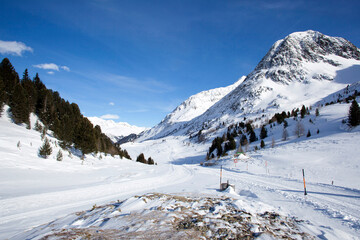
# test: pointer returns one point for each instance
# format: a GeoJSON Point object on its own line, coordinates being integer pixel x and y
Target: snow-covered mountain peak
{"type": "Point", "coordinates": [191, 108]}
{"type": "Point", "coordinates": [197, 104]}
{"type": "Point", "coordinates": [287, 58]}
{"type": "Point", "coordinates": [115, 130]}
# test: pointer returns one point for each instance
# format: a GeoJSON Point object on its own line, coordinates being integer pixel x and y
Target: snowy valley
{"type": "Point", "coordinates": [100, 196]}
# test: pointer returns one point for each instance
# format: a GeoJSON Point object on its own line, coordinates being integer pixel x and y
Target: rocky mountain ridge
{"type": "Point", "coordinates": [300, 69]}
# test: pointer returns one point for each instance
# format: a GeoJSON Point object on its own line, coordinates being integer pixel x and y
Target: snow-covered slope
{"type": "Point", "coordinates": [301, 69]}
{"type": "Point", "coordinates": [116, 130]}
{"type": "Point", "coordinates": [189, 109]}
{"type": "Point", "coordinates": [267, 183]}
{"type": "Point", "coordinates": [199, 103]}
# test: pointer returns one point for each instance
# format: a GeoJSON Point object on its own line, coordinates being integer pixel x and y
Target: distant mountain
{"type": "Point", "coordinates": [300, 69]}
{"type": "Point", "coordinates": [189, 109]}
{"type": "Point", "coordinates": [116, 130]}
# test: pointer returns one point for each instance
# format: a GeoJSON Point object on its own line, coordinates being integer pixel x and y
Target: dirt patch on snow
{"type": "Point", "coordinates": [165, 216]}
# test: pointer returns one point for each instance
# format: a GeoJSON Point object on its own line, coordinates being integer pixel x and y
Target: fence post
{"type": "Point", "coordinates": [305, 193]}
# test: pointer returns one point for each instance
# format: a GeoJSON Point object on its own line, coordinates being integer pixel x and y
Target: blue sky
{"type": "Point", "coordinates": [135, 61]}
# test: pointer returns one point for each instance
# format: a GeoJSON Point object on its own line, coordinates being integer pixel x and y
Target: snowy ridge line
{"type": "Point", "coordinates": [300, 69]}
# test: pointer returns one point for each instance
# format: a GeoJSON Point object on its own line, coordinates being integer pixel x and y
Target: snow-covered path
{"type": "Point", "coordinates": [22, 212]}
{"type": "Point", "coordinates": [324, 203]}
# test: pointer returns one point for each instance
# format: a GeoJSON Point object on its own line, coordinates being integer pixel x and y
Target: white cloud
{"type": "Point", "coordinates": [13, 47]}
{"type": "Point", "coordinates": [50, 72]}
{"type": "Point", "coordinates": [52, 66]}
{"type": "Point", "coordinates": [111, 103]}
{"type": "Point", "coordinates": [65, 68]}
{"type": "Point", "coordinates": [47, 66]}
{"type": "Point", "coordinates": [110, 116]}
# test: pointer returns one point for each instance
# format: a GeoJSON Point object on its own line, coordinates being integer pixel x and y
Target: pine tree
{"type": "Point", "coordinates": [317, 113]}
{"type": "Point", "coordinates": [285, 124]}
{"type": "Point", "coordinates": [29, 87]}
{"type": "Point", "coordinates": [126, 154]}
{"type": "Point", "coordinates": [150, 161]}
{"type": "Point", "coordinates": [263, 132]}
{"type": "Point", "coordinates": [308, 134]}
{"type": "Point", "coordinates": [59, 156]}
{"type": "Point", "coordinates": [38, 126]}
{"type": "Point", "coordinates": [262, 144]}
{"type": "Point", "coordinates": [19, 107]}
{"type": "Point", "coordinates": [141, 158]}
{"type": "Point", "coordinates": [303, 111]}
{"type": "Point", "coordinates": [45, 150]}
{"type": "Point", "coordinates": [354, 114]}
{"type": "Point", "coordinates": [232, 143]}
{"type": "Point", "coordinates": [252, 137]}
{"type": "Point", "coordinates": [9, 77]}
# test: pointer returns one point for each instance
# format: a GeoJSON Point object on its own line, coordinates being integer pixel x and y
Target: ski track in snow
{"type": "Point", "coordinates": [329, 200]}
{"type": "Point", "coordinates": [21, 209]}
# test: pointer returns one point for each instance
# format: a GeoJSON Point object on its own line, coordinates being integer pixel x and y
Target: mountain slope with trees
{"type": "Point", "coordinates": [24, 96]}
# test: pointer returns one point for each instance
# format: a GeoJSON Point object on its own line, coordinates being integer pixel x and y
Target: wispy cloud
{"type": "Point", "coordinates": [111, 103]}
{"type": "Point", "coordinates": [51, 66]}
{"type": "Point", "coordinates": [50, 72]}
{"type": "Point", "coordinates": [65, 68]}
{"type": "Point", "coordinates": [110, 116]}
{"type": "Point", "coordinates": [149, 85]}
{"type": "Point", "coordinates": [14, 48]}
{"type": "Point", "coordinates": [47, 66]}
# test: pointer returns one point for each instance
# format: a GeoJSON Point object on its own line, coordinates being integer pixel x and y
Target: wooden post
{"type": "Point", "coordinates": [305, 193]}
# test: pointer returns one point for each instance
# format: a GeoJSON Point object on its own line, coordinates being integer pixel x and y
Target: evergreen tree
{"type": "Point", "coordinates": [45, 150]}
{"type": "Point", "coordinates": [38, 126]}
{"type": "Point", "coordinates": [219, 148]}
{"type": "Point", "coordinates": [263, 132]}
{"type": "Point", "coordinates": [126, 154]}
{"type": "Point", "coordinates": [84, 138]}
{"type": "Point", "coordinates": [141, 158]}
{"type": "Point", "coordinates": [317, 113]}
{"type": "Point", "coordinates": [303, 111]}
{"type": "Point", "coordinates": [253, 137]}
{"type": "Point", "coordinates": [9, 77]}
{"type": "Point", "coordinates": [262, 144]}
{"type": "Point", "coordinates": [150, 161]}
{"type": "Point", "coordinates": [59, 156]}
{"type": "Point", "coordinates": [19, 107]}
{"type": "Point", "coordinates": [243, 140]}
{"type": "Point", "coordinates": [285, 124]}
{"type": "Point", "coordinates": [354, 114]}
{"type": "Point", "coordinates": [29, 87]}
{"type": "Point", "coordinates": [308, 133]}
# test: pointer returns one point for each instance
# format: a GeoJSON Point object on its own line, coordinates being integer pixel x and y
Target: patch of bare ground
{"type": "Point", "coordinates": [165, 216]}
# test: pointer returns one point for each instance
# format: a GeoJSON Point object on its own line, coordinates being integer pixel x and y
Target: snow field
{"type": "Point", "coordinates": [35, 190]}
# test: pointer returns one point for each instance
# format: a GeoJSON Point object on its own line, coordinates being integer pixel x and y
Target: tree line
{"type": "Point", "coordinates": [25, 95]}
